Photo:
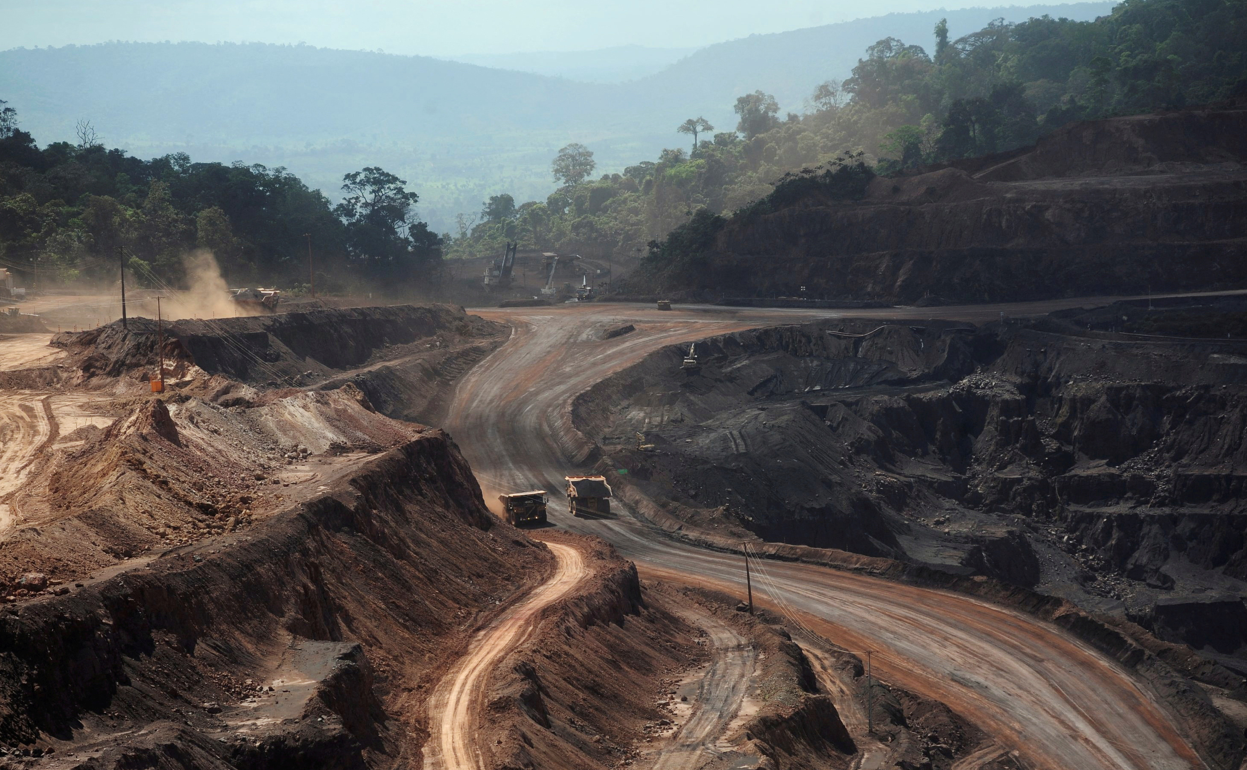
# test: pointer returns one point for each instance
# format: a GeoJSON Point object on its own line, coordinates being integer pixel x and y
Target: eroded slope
{"type": "Point", "coordinates": [1096, 466]}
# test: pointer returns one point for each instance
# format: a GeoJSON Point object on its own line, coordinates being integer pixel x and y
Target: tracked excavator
{"type": "Point", "coordinates": [548, 290]}
{"type": "Point", "coordinates": [498, 273]}
{"type": "Point", "coordinates": [691, 364]}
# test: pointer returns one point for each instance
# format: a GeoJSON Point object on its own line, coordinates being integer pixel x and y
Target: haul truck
{"type": "Point", "coordinates": [524, 508]}
{"type": "Point", "coordinates": [588, 495]}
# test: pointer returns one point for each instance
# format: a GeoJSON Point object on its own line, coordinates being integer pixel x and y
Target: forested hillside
{"type": "Point", "coordinates": [73, 212]}
{"type": "Point", "coordinates": [460, 132]}
{"type": "Point", "coordinates": [903, 105]}
{"type": "Point", "coordinates": [74, 208]}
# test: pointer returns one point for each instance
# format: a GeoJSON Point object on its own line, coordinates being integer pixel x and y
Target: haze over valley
{"type": "Point", "coordinates": [458, 133]}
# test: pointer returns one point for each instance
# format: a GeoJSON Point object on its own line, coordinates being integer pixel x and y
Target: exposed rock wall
{"type": "Point", "coordinates": [1111, 207]}
{"type": "Point", "coordinates": [1105, 468]}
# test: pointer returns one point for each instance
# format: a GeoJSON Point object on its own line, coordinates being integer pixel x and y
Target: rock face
{"type": "Point", "coordinates": [1101, 467]}
{"type": "Point", "coordinates": [295, 644]}
{"type": "Point", "coordinates": [1109, 207]}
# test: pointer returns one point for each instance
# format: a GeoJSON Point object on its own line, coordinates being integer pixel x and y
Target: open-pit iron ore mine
{"type": "Point", "coordinates": [971, 542]}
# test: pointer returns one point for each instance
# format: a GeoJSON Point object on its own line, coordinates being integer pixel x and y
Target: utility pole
{"type": "Point", "coordinates": [870, 697]}
{"type": "Point", "coordinates": [160, 344]}
{"type": "Point", "coordinates": [122, 257]}
{"type": "Point", "coordinates": [311, 274]}
{"type": "Point", "coordinates": [748, 581]}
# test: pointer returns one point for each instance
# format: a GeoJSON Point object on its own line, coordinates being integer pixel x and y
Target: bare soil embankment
{"type": "Point", "coordinates": [307, 638]}
{"type": "Point", "coordinates": [405, 358]}
{"type": "Point", "coordinates": [621, 675]}
{"type": "Point", "coordinates": [1098, 467]}
{"type": "Point", "coordinates": [1108, 207]}
{"type": "Point", "coordinates": [237, 574]}
{"type": "Point", "coordinates": [229, 576]}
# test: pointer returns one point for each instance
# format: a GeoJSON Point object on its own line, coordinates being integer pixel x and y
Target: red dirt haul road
{"type": "Point", "coordinates": [1054, 700]}
{"type": "Point", "coordinates": [459, 697]}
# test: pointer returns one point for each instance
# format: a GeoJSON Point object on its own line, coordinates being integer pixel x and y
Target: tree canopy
{"type": "Point", "coordinates": [995, 89]}
{"type": "Point", "coordinates": [757, 113]}
{"type": "Point", "coordinates": [695, 126]}
{"type": "Point", "coordinates": [573, 164]}
{"type": "Point", "coordinates": [73, 210]}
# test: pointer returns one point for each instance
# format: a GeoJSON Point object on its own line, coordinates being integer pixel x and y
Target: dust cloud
{"type": "Point", "coordinates": [207, 295]}
{"type": "Point", "coordinates": [490, 493]}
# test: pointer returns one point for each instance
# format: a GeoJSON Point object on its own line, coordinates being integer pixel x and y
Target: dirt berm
{"type": "Point", "coordinates": [403, 357]}
{"type": "Point", "coordinates": [585, 687]}
{"type": "Point", "coordinates": [307, 640]}
{"type": "Point", "coordinates": [1110, 207]}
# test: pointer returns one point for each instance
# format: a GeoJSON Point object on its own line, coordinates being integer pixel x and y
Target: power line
{"type": "Point", "coordinates": [229, 338]}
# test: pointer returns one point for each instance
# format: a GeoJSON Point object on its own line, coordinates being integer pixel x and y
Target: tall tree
{"type": "Point", "coordinates": [573, 164]}
{"type": "Point", "coordinates": [941, 39]}
{"type": "Point", "coordinates": [499, 208]}
{"type": "Point", "coordinates": [376, 195]}
{"type": "Point", "coordinates": [694, 126]}
{"type": "Point", "coordinates": [88, 137]}
{"type": "Point", "coordinates": [829, 96]}
{"type": "Point", "coordinates": [757, 113]}
{"type": "Point", "coordinates": [8, 120]}
{"type": "Point", "coordinates": [162, 233]}
{"type": "Point", "coordinates": [383, 236]}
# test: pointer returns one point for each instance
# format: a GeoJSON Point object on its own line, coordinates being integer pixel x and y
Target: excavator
{"type": "Point", "coordinates": [691, 364]}
{"type": "Point", "coordinates": [498, 273]}
{"type": "Point", "coordinates": [548, 290]}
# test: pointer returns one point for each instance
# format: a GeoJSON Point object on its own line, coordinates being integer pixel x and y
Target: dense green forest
{"type": "Point", "coordinates": [75, 212]}
{"type": "Point", "coordinates": [903, 106]}
{"type": "Point", "coordinates": [458, 132]}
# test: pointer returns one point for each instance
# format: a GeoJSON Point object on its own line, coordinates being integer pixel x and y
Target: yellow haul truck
{"type": "Point", "coordinates": [524, 508]}
{"type": "Point", "coordinates": [588, 495]}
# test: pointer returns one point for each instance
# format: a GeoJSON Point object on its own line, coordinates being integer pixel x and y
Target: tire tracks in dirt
{"type": "Point", "coordinates": [27, 429]}
{"type": "Point", "coordinates": [720, 693]}
{"type": "Point", "coordinates": [459, 698]}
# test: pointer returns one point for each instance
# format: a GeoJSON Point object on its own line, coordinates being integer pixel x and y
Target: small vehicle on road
{"type": "Point", "coordinates": [524, 509]}
{"type": "Point", "coordinates": [664, 304]}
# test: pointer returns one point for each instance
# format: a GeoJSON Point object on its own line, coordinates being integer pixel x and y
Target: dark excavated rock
{"type": "Point", "coordinates": [1009, 558]}
{"type": "Point", "coordinates": [1217, 624]}
{"type": "Point", "coordinates": [1109, 207]}
{"type": "Point", "coordinates": [1104, 466]}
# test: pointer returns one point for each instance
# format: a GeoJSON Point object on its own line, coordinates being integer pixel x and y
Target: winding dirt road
{"type": "Point", "coordinates": [1036, 690]}
{"type": "Point", "coordinates": [460, 695]}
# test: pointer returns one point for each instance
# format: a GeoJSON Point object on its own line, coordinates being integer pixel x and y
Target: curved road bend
{"type": "Point", "coordinates": [460, 696]}
{"type": "Point", "coordinates": [1056, 701]}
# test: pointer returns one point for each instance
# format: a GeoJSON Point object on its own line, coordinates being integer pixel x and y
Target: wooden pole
{"type": "Point", "coordinates": [748, 581]}
{"type": "Point", "coordinates": [160, 344]}
{"type": "Point", "coordinates": [311, 274]}
{"type": "Point", "coordinates": [122, 257]}
{"type": "Point", "coordinates": [870, 697]}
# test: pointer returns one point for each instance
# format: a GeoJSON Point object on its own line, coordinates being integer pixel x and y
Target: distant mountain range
{"type": "Point", "coordinates": [457, 132]}
{"type": "Point", "coordinates": [604, 65]}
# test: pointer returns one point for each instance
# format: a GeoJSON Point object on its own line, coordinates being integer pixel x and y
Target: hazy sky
{"type": "Point", "coordinates": [442, 28]}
